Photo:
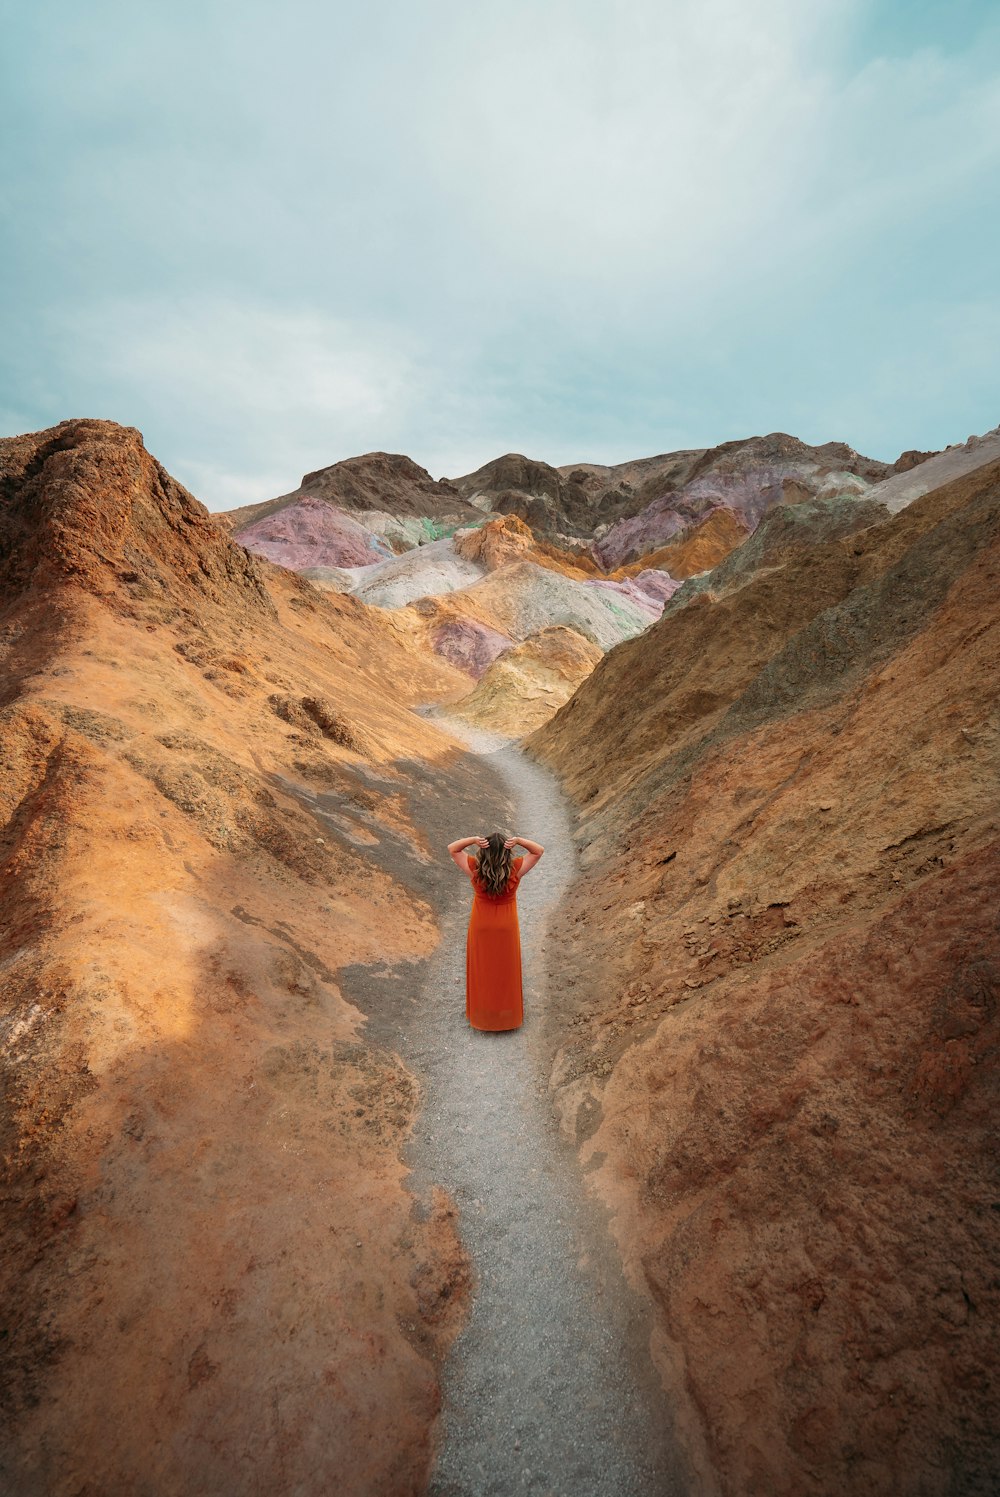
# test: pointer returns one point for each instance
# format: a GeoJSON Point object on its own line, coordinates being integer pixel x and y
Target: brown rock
{"type": "Point", "coordinates": [798, 1154]}
{"type": "Point", "coordinates": [375, 481]}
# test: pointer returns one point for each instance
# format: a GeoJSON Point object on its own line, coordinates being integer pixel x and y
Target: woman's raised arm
{"type": "Point", "coordinates": [535, 850]}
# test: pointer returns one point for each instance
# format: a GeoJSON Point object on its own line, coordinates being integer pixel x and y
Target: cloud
{"type": "Point", "coordinates": [280, 389]}
{"type": "Point", "coordinates": [637, 143]}
{"type": "Point", "coordinates": [571, 227]}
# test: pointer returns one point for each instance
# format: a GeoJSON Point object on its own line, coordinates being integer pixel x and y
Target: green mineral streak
{"type": "Point", "coordinates": [625, 618]}
{"type": "Point", "coordinates": [436, 530]}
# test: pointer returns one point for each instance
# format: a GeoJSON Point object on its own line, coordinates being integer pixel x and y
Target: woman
{"type": "Point", "coordinates": [493, 994]}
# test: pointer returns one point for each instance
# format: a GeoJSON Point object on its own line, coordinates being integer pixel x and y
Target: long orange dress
{"type": "Point", "coordinates": [493, 993]}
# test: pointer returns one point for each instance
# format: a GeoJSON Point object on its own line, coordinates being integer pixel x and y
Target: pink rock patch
{"type": "Point", "coordinates": [470, 646]}
{"type": "Point", "coordinates": [650, 596]}
{"type": "Point", "coordinates": [656, 584]}
{"type": "Point", "coordinates": [312, 533]}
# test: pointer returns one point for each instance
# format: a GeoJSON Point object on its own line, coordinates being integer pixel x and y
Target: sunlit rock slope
{"type": "Point", "coordinates": [214, 1279]}
{"type": "Point", "coordinates": [778, 1045]}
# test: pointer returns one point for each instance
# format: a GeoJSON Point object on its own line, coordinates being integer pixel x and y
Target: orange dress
{"type": "Point", "coordinates": [493, 995]}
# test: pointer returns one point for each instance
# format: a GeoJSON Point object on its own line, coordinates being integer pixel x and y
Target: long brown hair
{"type": "Point", "coordinates": [495, 863]}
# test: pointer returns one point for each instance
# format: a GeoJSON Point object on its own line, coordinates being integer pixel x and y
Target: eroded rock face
{"type": "Point", "coordinates": [85, 504]}
{"type": "Point", "coordinates": [696, 548]}
{"type": "Point", "coordinates": [212, 1266]}
{"type": "Point", "coordinates": [786, 537]}
{"type": "Point", "coordinates": [779, 1048]}
{"type": "Point", "coordinates": [496, 543]}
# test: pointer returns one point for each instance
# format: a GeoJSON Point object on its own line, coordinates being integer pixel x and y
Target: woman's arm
{"type": "Point", "coordinates": [458, 854]}
{"type": "Point", "coordinates": [535, 850]}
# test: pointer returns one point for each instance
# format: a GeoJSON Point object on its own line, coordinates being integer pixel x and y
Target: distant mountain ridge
{"type": "Point", "coordinates": [592, 548]}
{"type": "Point", "coordinates": [616, 513]}
{"type": "Point", "coordinates": [579, 498]}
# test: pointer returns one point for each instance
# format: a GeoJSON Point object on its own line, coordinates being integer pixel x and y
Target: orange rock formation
{"type": "Point", "coordinates": [213, 1278]}
{"type": "Point", "coordinates": [698, 549]}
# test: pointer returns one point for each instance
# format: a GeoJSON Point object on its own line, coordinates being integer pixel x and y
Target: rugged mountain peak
{"type": "Point", "coordinates": [385, 484]}
{"type": "Point", "coordinates": [513, 471]}
{"type": "Point", "coordinates": [585, 499]}
{"type": "Point", "coordinates": [383, 481]}
{"type": "Point", "coordinates": [85, 503]}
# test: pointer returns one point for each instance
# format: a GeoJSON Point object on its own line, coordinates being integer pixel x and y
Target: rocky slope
{"type": "Point", "coordinates": [485, 590]}
{"type": "Point", "coordinates": [521, 688]}
{"type": "Point", "coordinates": [778, 1044]}
{"type": "Point", "coordinates": [772, 1003]}
{"type": "Point", "coordinates": [214, 1276]}
{"type": "Point", "coordinates": [356, 512]}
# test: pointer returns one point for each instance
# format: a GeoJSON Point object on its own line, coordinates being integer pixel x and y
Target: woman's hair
{"type": "Point", "coordinates": [495, 863]}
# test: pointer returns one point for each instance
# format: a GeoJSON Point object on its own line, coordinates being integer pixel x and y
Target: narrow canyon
{"type": "Point", "coordinates": [722, 1219]}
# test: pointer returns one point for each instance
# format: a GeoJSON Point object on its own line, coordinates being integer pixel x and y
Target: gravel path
{"type": "Point", "coordinates": [549, 1387]}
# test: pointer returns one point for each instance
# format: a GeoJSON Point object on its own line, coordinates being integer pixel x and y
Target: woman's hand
{"type": "Point", "coordinates": [479, 841]}
{"type": "Point", "coordinates": [511, 842]}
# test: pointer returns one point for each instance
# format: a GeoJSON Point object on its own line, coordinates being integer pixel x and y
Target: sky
{"type": "Point", "coordinates": [275, 236]}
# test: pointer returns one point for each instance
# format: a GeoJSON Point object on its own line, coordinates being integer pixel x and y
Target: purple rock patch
{"type": "Point", "coordinates": [748, 495]}
{"type": "Point", "coordinates": [649, 597]}
{"type": "Point", "coordinates": [311, 533]}
{"type": "Point", "coordinates": [470, 646]}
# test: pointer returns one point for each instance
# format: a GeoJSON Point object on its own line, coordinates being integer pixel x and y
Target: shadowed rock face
{"type": "Point", "coordinates": [213, 1275]}
{"type": "Point", "coordinates": [778, 1047]}
{"type": "Point", "coordinates": [85, 504]}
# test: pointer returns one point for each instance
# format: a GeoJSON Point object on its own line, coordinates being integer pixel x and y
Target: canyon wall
{"type": "Point", "coordinates": [214, 1277]}
{"type": "Point", "coordinates": [777, 1045]}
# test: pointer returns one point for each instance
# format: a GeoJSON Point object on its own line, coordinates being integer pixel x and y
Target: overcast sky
{"type": "Point", "coordinates": [273, 236]}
